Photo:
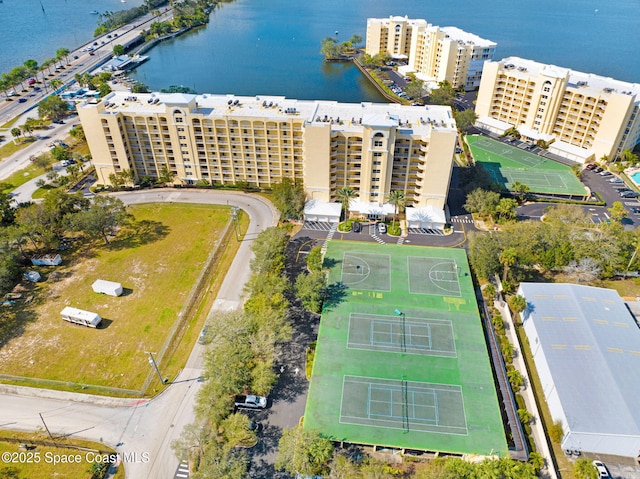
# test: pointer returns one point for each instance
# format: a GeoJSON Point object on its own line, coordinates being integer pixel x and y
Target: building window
{"type": "Point", "coordinates": [377, 143]}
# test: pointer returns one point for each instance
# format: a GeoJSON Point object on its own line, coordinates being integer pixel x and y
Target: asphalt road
{"type": "Point", "coordinates": [141, 429]}
{"type": "Point", "coordinates": [10, 108]}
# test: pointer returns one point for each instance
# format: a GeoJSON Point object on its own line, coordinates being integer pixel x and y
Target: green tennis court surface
{"type": "Point", "coordinates": [401, 359]}
{"type": "Point", "coordinates": [507, 164]}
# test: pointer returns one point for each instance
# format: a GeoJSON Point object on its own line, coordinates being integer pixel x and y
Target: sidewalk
{"type": "Point", "coordinates": [539, 437]}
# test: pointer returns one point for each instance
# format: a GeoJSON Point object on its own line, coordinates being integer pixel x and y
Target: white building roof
{"type": "Point", "coordinates": [79, 313]}
{"type": "Point", "coordinates": [591, 345]}
{"type": "Point", "coordinates": [371, 208]}
{"type": "Point", "coordinates": [426, 214]}
{"type": "Point", "coordinates": [322, 208]}
{"type": "Point", "coordinates": [565, 149]}
{"type": "Point", "coordinates": [536, 135]}
{"type": "Point", "coordinates": [454, 33]}
{"type": "Point", "coordinates": [494, 123]}
{"type": "Point", "coordinates": [419, 120]}
{"type": "Point", "coordinates": [593, 84]}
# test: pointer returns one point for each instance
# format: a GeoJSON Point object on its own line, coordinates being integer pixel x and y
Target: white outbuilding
{"type": "Point", "coordinates": [79, 316]}
{"type": "Point", "coordinates": [586, 348]}
{"type": "Point", "coordinates": [322, 211]}
{"type": "Point", "coordinates": [107, 287]}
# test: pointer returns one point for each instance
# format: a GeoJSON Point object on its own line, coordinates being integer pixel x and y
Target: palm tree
{"type": "Point", "coordinates": [345, 195]}
{"type": "Point", "coordinates": [55, 83]}
{"type": "Point", "coordinates": [63, 53]}
{"type": "Point", "coordinates": [16, 132]}
{"type": "Point", "coordinates": [397, 199]}
{"type": "Point", "coordinates": [507, 258]}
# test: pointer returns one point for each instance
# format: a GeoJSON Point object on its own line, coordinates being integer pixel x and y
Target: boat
{"type": "Point", "coordinates": [95, 12]}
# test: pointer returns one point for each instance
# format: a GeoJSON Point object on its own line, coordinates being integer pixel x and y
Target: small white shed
{"type": "Point", "coordinates": [107, 287]}
{"type": "Point", "coordinates": [79, 316]}
{"type": "Point", "coordinates": [32, 276]}
{"type": "Point", "coordinates": [47, 260]}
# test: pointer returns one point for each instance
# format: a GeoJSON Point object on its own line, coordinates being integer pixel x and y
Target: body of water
{"type": "Point", "coordinates": [37, 28]}
{"type": "Point", "coordinates": [255, 47]}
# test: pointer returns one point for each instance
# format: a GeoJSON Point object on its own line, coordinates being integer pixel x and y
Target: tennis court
{"type": "Point", "coordinates": [401, 334]}
{"type": "Point", "coordinates": [401, 360]}
{"type": "Point", "coordinates": [401, 404]}
{"type": "Point", "coordinates": [507, 164]}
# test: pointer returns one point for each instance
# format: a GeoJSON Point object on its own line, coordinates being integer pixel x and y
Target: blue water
{"type": "Point", "coordinates": [28, 32]}
{"type": "Point", "coordinates": [636, 177]}
{"type": "Point", "coordinates": [257, 46]}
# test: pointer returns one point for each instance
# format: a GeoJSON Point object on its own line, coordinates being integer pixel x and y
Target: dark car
{"type": "Point", "coordinates": [598, 170]}
{"type": "Point", "coordinates": [590, 166]}
{"type": "Point", "coordinates": [629, 194]}
{"type": "Point", "coordinates": [635, 211]}
{"type": "Point", "coordinates": [357, 227]}
{"type": "Point", "coordinates": [22, 100]}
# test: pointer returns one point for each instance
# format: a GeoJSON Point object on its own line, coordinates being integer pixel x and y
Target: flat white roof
{"type": "Point", "coordinates": [104, 283]}
{"type": "Point", "coordinates": [536, 135]}
{"type": "Point", "coordinates": [426, 214]}
{"type": "Point", "coordinates": [371, 208]}
{"type": "Point", "coordinates": [590, 82]}
{"type": "Point", "coordinates": [494, 123]}
{"type": "Point", "coordinates": [322, 208]}
{"type": "Point", "coordinates": [419, 120]}
{"type": "Point", "coordinates": [457, 34]}
{"type": "Point", "coordinates": [571, 149]}
{"type": "Point", "coordinates": [79, 313]}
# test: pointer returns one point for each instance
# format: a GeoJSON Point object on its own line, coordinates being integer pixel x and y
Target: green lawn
{"type": "Point", "coordinates": [416, 378]}
{"type": "Point", "coordinates": [507, 164]}
{"type": "Point", "coordinates": [157, 263]}
{"type": "Point", "coordinates": [45, 454]}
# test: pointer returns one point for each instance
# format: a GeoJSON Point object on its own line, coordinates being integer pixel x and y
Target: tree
{"type": "Point", "coordinates": [521, 190]}
{"type": "Point", "coordinates": [628, 157]}
{"type": "Point", "coordinates": [443, 95]}
{"type": "Point", "coordinates": [303, 452]}
{"type": "Point", "coordinates": [397, 199]}
{"type": "Point", "coordinates": [482, 202]}
{"type": "Point", "coordinates": [118, 50]}
{"type": "Point", "coordinates": [585, 271]}
{"type": "Point", "coordinates": [32, 66]}
{"type": "Point", "coordinates": [139, 87]}
{"type": "Point", "coordinates": [556, 432]}
{"type": "Point", "coordinates": [268, 249]}
{"type": "Point", "coordinates": [103, 216]}
{"type": "Point", "coordinates": [289, 198]}
{"type": "Point", "coordinates": [77, 132]}
{"type": "Point", "coordinates": [584, 469]}
{"type": "Point", "coordinates": [329, 47]}
{"type": "Point", "coordinates": [52, 107]}
{"type": "Point", "coordinates": [506, 209]}
{"type": "Point", "coordinates": [415, 89]}
{"type": "Point", "coordinates": [515, 379]}
{"type": "Point", "coordinates": [342, 467]}
{"type": "Point", "coordinates": [314, 259]}
{"type": "Point", "coordinates": [465, 119]}
{"type": "Point", "coordinates": [165, 175]}
{"type": "Point", "coordinates": [9, 271]}
{"type": "Point", "coordinates": [517, 303]}
{"type": "Point", "coordinates": [617, 211]}
{"type": "Point", "coordinates": [63, 54]}
{"type": "Point", "coordinates": [507, 258]}
{"type": "Point", "coordinates": [310, 290]}
{"type": "Point", "coordinates": [59, 153]}
{"type": "Point", "coordinates": [355, 40]}
{"type": "Point", "coordinates": [236, 431]}
{"type": "Point", "coordinates": [16, 132]}
{"type": "Point", "coordinates": [345, 195]}
{"type": "Point", "coordinates": [525, 416]}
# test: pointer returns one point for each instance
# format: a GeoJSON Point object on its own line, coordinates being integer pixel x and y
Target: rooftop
{"type": "Point", "coordinates": [342, 116]}
{"type": "Point", "coordinates": [468, 38]}
{"type": "Point", "coordinates": [591, 344]}
{"type": "Point", "coordinates": [594, 84]}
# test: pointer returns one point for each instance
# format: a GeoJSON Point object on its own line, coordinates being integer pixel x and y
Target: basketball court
{"type": "Point", "coordinates": [401, 360]}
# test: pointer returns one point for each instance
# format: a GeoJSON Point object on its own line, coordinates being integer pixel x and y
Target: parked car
{"type": "Point", "coordinates": [598, 169]}
{"type": "Point", "coordinates": [22, 100]}
{"type": "Point", "coordinates": [357, 227]}
{"type": "Point", "coordinates": [629, 194]}
{"type": "Point", "coordinates": [590, 166]}
{"type": "Point", "coordinates": [635, 211]}
{"type": "Point", "coordinates": [204, 335]}
{"type": "Point", "coordinates": [616, 180]}
{"type": "Point", "coordinates": [603, 472]}
{"type": "Point", "coordinates": [251, 401]}
{"type": "Point", "coordinates": [382, 228]}
{"type": "Point", "coordinates": [606, 173]}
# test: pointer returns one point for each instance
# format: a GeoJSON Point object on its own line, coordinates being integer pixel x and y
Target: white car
{"type": "Point", "coordinates": [616, 180]}
{"type": "Point", "coordinates": [603, 472]}
{"type": "Point", "coordinates": [382, 228]}
{"type": "Point", "coordinates": [11, 93]}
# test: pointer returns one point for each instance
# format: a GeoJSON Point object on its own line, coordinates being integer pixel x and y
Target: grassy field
{"type": "Point", "coordinates": [21, 177]}
{"type": "Point", "coordinates": [157, 261]}
{"type": "Point", "coordinates": [507, 164]}
{"type": "Point", "coordinates": [13, 147]}
{"type": "Point", "coordinates": [401, 359]}
{"type": "Point", "coordinates": [46, 455]}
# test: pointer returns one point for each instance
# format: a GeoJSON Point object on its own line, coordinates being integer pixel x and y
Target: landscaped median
{"type": "Point", "coordinates": [157, 258]}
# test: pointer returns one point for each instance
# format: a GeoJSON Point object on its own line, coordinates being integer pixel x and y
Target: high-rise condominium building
{"type": "Point", "coordinates": [581, 115]}
{"type": "Point", "coordinates": [435, 54]}
{"type": "Point", "coordinates": [371, 148]}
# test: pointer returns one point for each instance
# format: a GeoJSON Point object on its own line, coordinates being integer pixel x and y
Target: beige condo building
{"type": "Point", "coordinates": [581, 115]}
{"type": "Point", "coordinates": [434, 53]}
{"type": "Point", "coordinates": [224, 139]}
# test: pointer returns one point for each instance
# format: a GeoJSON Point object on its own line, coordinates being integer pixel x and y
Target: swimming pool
{"type": "Point", "coordinates": [636, 178]}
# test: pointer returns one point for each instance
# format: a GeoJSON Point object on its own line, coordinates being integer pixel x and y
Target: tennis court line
{"type": "Point", "coordinates": [422, 259]}
{"type": "Point", "coordinates": [354, 255]}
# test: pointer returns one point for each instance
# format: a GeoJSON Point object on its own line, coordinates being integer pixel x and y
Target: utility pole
{"type": "Point", "coordinates": [45, 426]}
{"type": "Point", "coordinates": [153, 363]}
{"type": "Point", "coordinates": [236, 224]}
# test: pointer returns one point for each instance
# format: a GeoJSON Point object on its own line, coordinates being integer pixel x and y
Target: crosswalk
{"type": "Point", "coordinates": [461, 219]}
{"type": "Point", "coordinates": [332, 231]}
{"type": "Point", "coordinates": [183, 471]}
{"type": "Point", "coordinates": [401, 240]}
{"type": "Point", "coordinates": [426, 231]}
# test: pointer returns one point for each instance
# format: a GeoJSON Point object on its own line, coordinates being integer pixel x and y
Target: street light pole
{"type": "Point", "coordinates": [153, 363]}
{"type": "Point", "coordinates": [236, 224]}
{"type": "Point", "coordinates": [404, 330]}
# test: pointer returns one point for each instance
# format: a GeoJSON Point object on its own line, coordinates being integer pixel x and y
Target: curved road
{"type": "Point", "coordinates": [141, 430]}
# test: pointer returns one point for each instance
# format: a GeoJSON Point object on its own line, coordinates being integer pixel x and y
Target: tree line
{"type": "Point", "coordinates": [30, 69]}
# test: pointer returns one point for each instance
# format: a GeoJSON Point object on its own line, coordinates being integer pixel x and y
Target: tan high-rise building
{"type": "Point", "coordinates": [433, 53]}
{"type": "Point", "coordinates": [581, 115]}
{"type": "Point", "coordinates": [372, 148]}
